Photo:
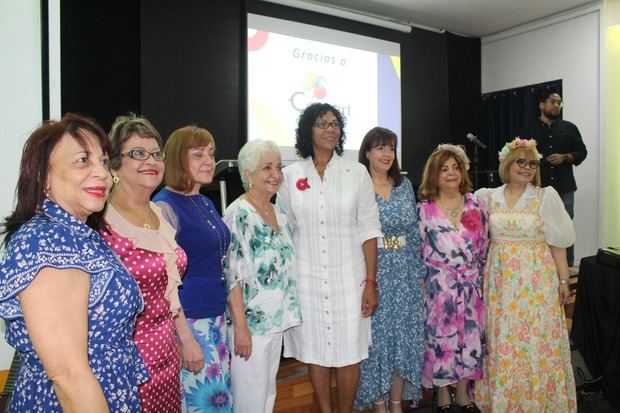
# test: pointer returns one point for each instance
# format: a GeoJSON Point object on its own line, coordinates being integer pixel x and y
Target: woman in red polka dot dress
{"type": "Point", "coordinates": [145, 242]}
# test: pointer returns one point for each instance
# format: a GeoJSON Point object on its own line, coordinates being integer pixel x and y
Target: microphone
{"type": "Point", "coordinates": [474, 139]}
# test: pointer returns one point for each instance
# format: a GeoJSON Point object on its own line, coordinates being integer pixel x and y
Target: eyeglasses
{"type": "Point", "coordinates": [142, 155]}
{"type": "Point", "coordinates": [522, 163]}
{"type": "Point", "coordinates": [555, 102]}
{"type": "Point", "coordinates": [323, 124]}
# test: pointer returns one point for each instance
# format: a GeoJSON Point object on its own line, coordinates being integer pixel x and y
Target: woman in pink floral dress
{"type": "Point", "coordinates": [453, 223]}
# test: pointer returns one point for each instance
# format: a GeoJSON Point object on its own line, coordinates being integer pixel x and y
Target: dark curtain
{"type": "Point", "coordinates": [504, 114]}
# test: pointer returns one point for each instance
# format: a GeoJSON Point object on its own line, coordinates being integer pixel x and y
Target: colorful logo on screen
{"type": "Point", "coordinates": [257, 40]}
{"type": "Point", "coordinates": [316, 85]}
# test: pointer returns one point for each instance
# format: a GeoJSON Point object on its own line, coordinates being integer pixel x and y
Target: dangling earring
{"type": "Point", "coordinates": [250, 186]}
{"type": "Point", "coordinates": [116, 179]}
{"type": "Point", "coordinates": [46, 191]}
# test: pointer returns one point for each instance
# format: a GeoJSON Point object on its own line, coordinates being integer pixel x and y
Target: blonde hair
{"type": "Point", "coordinates": [530, 153]}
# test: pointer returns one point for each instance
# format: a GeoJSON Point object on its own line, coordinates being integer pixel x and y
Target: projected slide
{"type": "Point", "coordinates": [291, 65]}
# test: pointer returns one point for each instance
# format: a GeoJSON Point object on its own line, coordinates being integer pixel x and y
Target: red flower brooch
{"type": "Point", "coordinates": [302, 184]}
{"type": "Point", "coordinates": [472, 220]}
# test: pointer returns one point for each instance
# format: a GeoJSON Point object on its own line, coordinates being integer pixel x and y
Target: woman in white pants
{"type": "Point", "coordinates": [262, 298]}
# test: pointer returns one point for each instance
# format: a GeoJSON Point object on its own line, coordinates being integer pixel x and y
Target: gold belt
{"type": "Point", "coordinates": [392, 242]}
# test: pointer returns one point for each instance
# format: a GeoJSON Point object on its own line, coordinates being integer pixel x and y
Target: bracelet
{"type": "Point", "coordinates": [562, 281]}
{"type": "Point", "coordinates": [371, 282]}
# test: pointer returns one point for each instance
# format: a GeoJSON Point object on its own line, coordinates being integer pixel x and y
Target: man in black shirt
{"type": "Point", "coordinates": [560, 143]}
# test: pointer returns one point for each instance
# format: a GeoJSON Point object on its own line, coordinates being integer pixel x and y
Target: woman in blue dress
{"type": "Point", "coordinates": [396, 352]}
{"type": "Point", "coordinates": [69, 304]}
{"type": "Point", "coordinates": [201, 322]}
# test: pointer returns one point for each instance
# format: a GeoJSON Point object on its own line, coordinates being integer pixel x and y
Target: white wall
{"type": "Point", "coordinates": [563, 47]}
{"type": "Point", "coordinates": [20, 100]}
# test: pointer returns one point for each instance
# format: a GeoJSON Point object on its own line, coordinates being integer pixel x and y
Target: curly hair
{"type": "Point", "coordinates": [305, 123]}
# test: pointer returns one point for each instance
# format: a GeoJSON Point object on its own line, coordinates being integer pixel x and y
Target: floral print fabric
{"type": "Point", "coordinates": [261, 260]}
{"type": "Point", "coordinates": [528, 367]}
{"type": "Point", "coordinates": [54, 238]}
{"type": "Point", "coordinates": [209, 391]}
{"type": "Point", "coordinates": [454, 328]}
{"type": "Point", "coordinates": [397, 326]}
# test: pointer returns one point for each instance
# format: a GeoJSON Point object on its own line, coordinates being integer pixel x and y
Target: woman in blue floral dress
{"type": "Point", "coordinates": [69, 304]}
{"type": "Point", "coordinates": [260, 270]}
{"type": "Point", "coordinates": [454, 226]}
{"type": "Point", "coordinates": [395, 355]}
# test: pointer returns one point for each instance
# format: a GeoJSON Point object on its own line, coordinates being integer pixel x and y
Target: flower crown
{"type": "Point", "coordinates": [519, 143]}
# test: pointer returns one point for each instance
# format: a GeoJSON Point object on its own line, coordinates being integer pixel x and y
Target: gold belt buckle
{"type": "Point", "coordinates": [391, 243]}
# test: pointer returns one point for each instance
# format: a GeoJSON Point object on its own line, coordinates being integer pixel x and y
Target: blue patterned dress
{"type": "Point", "coordinates": [54, 238]}
{"type": "Point", "coordinates": [398, 324]}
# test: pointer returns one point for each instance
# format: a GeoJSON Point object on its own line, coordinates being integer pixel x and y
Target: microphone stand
{"type": "Point", "coordinates": [475, 166]}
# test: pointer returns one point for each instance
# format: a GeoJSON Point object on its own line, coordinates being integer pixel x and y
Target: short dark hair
{"type": "Point", "coordinates": [305, 123]}
{"type": "Point", "coordinates": [122, 128]}
{"type": "Point", "coordinates": [375, 137]}
{"type": "Point", "coordinates": [544, 94]}
{"type": "Point", "coordinates": [34, 167]}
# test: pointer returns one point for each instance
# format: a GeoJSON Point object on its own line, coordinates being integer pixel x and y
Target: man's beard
{"type": "Point", "coordinates": [551, 115]}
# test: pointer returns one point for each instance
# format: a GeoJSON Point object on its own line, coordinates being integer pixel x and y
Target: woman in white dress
{"type": "Point", "coordinates": [330, 205]}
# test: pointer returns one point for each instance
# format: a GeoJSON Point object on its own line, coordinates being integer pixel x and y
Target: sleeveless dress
{"type": "Point", "coordinates": [397, 326]}
{"type": "Point", "coordinates": [54, 238]}
{"type": "Point", "coordinates": [454, 335]}
{"type": "Point", "coordinates": [155, 260]}
{"type": "Point", "coordinates": [528, 367]}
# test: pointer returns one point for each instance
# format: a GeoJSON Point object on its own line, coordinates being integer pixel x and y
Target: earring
{"type": "Point", "coordinates": [251, 185]}
{"type": "Point", "coordinates": [116, 179]}
{"type": "Point", "coordinates": [46, 191]}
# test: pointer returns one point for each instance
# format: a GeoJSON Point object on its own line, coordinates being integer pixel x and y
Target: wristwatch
{"type": "Point", "coordinates": [563, 281]}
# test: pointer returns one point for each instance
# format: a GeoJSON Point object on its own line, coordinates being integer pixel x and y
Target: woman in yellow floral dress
{"type": "Point", "coordinates": [528, 366]}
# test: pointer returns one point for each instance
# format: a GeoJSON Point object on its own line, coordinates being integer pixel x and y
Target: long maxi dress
{"type": "Point", "coordinates": [454, 328]}
{"type": "Point", "coordinates": [528, 367]}
{"type": "Point", "coordinates": [156, 262]}
{"type": "Point", "coordinates": [397, 326]}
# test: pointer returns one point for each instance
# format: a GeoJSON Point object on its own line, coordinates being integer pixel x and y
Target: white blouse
{"type": "Point", "coordinates": [557, 225]}
{"type": "Point", "coordinates": [330, 219]}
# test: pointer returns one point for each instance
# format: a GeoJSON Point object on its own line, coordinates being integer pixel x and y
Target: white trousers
{"type": "Point", "coordinates": [254, 380]}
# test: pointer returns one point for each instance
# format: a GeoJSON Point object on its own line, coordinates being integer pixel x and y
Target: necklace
{"type": "Point", "coordinates": [454, 212]}
{"type": "Point", "coordinates": [146, 223]}
{"type": "Point", "coordinates": [254, 203]}
{"type": "Point", "coordinates": [217, 228]}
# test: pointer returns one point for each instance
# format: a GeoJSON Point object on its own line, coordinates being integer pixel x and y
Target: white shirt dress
{"type": "Point", "coordinates": [331, 219]}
